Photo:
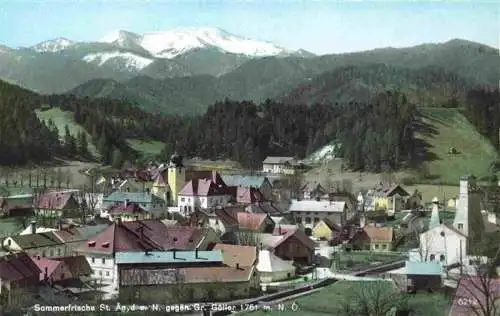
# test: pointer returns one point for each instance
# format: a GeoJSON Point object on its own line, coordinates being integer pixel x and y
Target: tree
{"type": "Point", "coordinates": [374, 298]}
{"type": "Point", "coordinates": [117, 159]}
{"type": "Point", "coordinates": [82, 144]}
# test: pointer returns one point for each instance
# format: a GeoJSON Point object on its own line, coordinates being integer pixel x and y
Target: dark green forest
{"type": "Point", "coordinates": [375, 135]}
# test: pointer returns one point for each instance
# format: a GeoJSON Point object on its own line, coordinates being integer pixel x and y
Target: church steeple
{"type": "Point", "coordinates": [435, 221]}
{"type": "Point", "coordinates": [468, 217]}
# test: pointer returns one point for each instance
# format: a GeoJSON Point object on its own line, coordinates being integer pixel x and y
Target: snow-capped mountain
{"type": "Point", "coordinates": [53, 46]}
{"type": "Point", "coordinates": [169, 44]}
{"type": "Point", "coordinates": [124, 60]}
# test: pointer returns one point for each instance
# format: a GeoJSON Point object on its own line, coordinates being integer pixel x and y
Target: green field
{"type": "Point", "coordinates": [63, 118]}
{"type": "Point", "coordinates": [331, 300]}
{"type": "Point", "coordinates": [452, 130]}
{"type": "Point", "coordinates": [147, 148]}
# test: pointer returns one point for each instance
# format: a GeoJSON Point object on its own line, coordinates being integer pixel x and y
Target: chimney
{"type": "Point", "coordinates": [136, 217]}
{"type": "Point", "coordinates": [237, 266]}
{"type": "Point", "coordinates": [46, 274]}
{"type": "Point", "coordinates": [174, 253]}
{"type": "Point", "coordinates": [33, 227]}
{"type": "Point", "coordinates": [118, 220]}
{"type": "Point", "coordinates": [125, 203]}
{"type": "Point", "coordinates": [148, 191]}
{"type": "Point", "coordinates": [59, 224]}
{"type": "Point", "coordinates": [38, 257]}
{"type": "Point", "coordinates": [196, 253]}
{"type": "Point", "coordinates": [279, 229]}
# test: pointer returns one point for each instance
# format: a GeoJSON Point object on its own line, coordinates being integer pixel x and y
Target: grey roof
{"type": "Point", "coordinates": [133, 197]}
{"type": "Point", "coordinates": [277, 160]}
{"type": "Point", "coordinates": [31, 241]}
{"type": "Point", "coordinates": [317, 206]}
{"type": "Point", "coordinates": [91, 230]}
{"type": "Point", "coordinates": [244, 181]}
{"type": "Point", "coordinates": [168, 257]}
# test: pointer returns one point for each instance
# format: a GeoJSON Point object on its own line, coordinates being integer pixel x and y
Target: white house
{"type": "Point", "coordinates": [202, 194]}
{"type": "Point", "coordinates": [279, 165]}
{"type": "Point", "coordinates": [272, 268]}
{"type": "Point", "coordinates": [311, 212]}
{"type": "Point", "coordinates": [451, 244]}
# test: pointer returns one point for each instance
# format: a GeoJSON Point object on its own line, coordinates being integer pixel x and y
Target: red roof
{"type": "Point", "coordinates": [143, 235]}
{"type": "Point", "coordinates": [54, 200]}
{"type": "Point", "coordinates": [46, 266]}
{"type": "Point", "coordinates": [130, 208]}
{"type": "Point", "coordinates": [251, 221]}
{"type": "Point", "coordinates": [203, 187]}
{"type": "Point", "coordinates": [229, 215]}
{"type": "Point", "coordinates": [471, 295]}
{"type": "Point", "coordinates": [18, 266]}
{"type": "Point", "coordinates": [248, 195]}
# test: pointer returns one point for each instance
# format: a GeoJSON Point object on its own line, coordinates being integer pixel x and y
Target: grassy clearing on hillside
{"type": "Point", "coordinates": [218, 165]}
{"type": "Point", "coordinates": [63, 118]}
{"type": "Point", "coordinates": [330, 301]}
{"type": "Point", "coordinates": [450, 129]}
{"type": "Point", "coordinates": [146, 147]}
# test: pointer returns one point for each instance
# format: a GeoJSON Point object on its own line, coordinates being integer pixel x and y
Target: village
{"type": "Point", "coordinates": [170, 234]}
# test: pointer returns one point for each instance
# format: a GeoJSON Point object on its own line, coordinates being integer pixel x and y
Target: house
{"type": "Point", "coordinates": [139, 236]}
{"type": "Point", "coordinates": [78, 266]}
{"type": "Point", "coordinates": [245, 195]}
{"type": "Point", "coordinates": [161, 189]}
{"type": "Point", "coordinates": [18, 271]}
{"type": "Point", "coordinates": [262, 184]}
{"type": "Point", "coordinates": [52, 270]}
{"type": "Point", "coordinates": [272, 268]}
{"type": "Point", "coordinates": [128, 212]}
{"type": "Point", "coordinates": [58, 204]}
{"type": "Point", "coordinates": [255, 222]}
{"type": "Point", "coordinates": [202, 193]}
{"type": "Point", "coordinates": [294, 245]}
{"type": "Point", "coordinates": [13, 209]}
{"type": "Point", "coordinates": [236, 255]}
{"type": "Point", "coordinates": [326, 230]}
{"type": "Point", "coordinates": [312, 190]}
{"type": "Point", "coordinates": [146, 200]}
{"type": "Point", "coordinates": [451, 244]}
{"type": "Point", "coordinates": [279, 165]}
{"type": "Point", "coordinates": [389, 199]}
{"type": "Point", "coordinates": [74, 237]}
{"type": "Point", "coordinates": [475, 294]}
{"type": "Point", "coordinates": [373, 238]}
{"type": "Point", "coordinates": [183, 276]}
{"type": "Point", "coordinates": [268, 207]}
{"type": "Point", "coordinates": [418, 276]}
{"type": "Point", "coordinates": [32, 228]}
{"type": "Point", "coordinates": [310, 212]}
{"type": "Point", "coordinates": [43, 244]}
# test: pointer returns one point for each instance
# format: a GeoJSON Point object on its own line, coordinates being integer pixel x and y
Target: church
{"type": "Point", "coordinates": [452, 244]}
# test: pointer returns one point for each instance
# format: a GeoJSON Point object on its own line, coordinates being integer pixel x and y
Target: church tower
{"type": "Point", "coordinates": [435, 221]}
{"type": "Point", "coordinates": [468, 217]}
{"type": "Point", "coordinates": [176, 176]}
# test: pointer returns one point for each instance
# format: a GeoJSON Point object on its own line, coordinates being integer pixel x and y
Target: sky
{"type": "Point", "coordinates": [318, 26]}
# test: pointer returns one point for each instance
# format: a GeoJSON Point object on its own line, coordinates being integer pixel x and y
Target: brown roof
{"type": "Point", "coordinates": [300, 235]}
{"type": "Point", "coordinates": [78, 265]}
{"type": "Point", "coordinates": [18, 266]}
{"type": "Point", "coordinates": [251, 221]}
{"type": "Point", "coordinates": [245, 256]}
{"type": "Point", "coordinates": [379, 233]}
{"type": "Point", "coordinates": [389, 191]}
{"type": "Point", "coordinates": [38, 240]}
{"type": "Point", "coordinates": [248, 195]}
{"type": "Point", "coordinates": [144, 235]}
{"type": "Point", "coordinates": [203, 187]}
{"type": "Point", "coordinates": [55, 200]}
{"type": "Point", "coordinates": [69, 235]}
{"type": "Point", "coordinates": [185, 275]}
{"type": "Point", "coordinates": [228, 215]}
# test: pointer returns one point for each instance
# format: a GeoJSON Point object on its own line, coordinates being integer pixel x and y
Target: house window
{"type": "Point", "coordinates": [376, 246]}
{"type": "Point", "coordinates": [62, 276]}
{"type": "Point", "coordinates": [183, 199]}
{"type": "Point", "coordinates": [461, 226]}
{"type": "Point", "coordinates": [441, 258]}
{"type": "Point", "coordinates": [93, 260]}
{"type": "Point", "coordinates": [308, 220]}
{"type": "Point", "coordinates": [432, 257]}
{"type": "Point", "coordinates": [107, 273]}
{"type": "Point", "coordinates": [103, 261]}
{"type": "Point", "coordinates": [316, 220]}
{"type": "Point", "coordinates": [43, 253]}
{"type": "Point", "coordinates": [384, 246]}
{"type": "Point", "coordinates": [51, 252]}
{"type": "Point", "coordinates": [100, 273]}
{"type": "Point", "coordinates": [59, 251]}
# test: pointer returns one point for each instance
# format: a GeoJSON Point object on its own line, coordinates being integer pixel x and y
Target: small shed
{"type": "Point", "coordinates": [272, 268]}
{"type": "Point", "coordinates": [418, 276]}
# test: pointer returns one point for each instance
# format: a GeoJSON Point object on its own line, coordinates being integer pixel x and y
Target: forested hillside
{"type": "Point", "coordinates": [23, 138]}
{"type": "Point", "coordinates": [429, 86]}
{"type": "Point", "coordinates": [483, 111]}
